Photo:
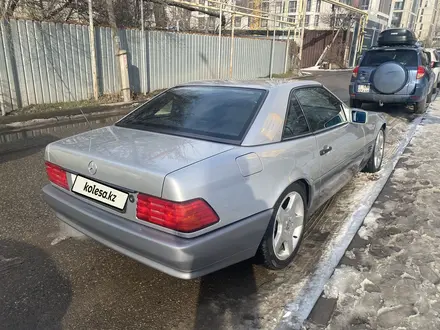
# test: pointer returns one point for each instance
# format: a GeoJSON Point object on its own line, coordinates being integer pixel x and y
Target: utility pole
{"type": "Point", "coordinates": [273, 47]}
{"type": "Point", "coordinates": [231, 56]}
{"type": "Point", "coordinates": [219, 50]}
{"type": "Point", "coordinates": [93, 52]}
{"type": "Point", "coordinates": [303, 23]}
{"type": "Point", "coordinates": [121, 54]}
{"type": "Point", "coordinates": [143, 52]}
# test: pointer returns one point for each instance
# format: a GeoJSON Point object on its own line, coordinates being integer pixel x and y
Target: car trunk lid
{"type": "Point", "coordinates": [132, 160]}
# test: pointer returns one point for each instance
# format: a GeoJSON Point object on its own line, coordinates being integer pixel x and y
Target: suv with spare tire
{"type": "Point", "coordinates": [397, 71]}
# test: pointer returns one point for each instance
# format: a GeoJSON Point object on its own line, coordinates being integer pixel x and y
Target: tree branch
{"type": "Point", "coordinates": [190, 8]}
{"type": "Point", "coordinates": [60, 8]}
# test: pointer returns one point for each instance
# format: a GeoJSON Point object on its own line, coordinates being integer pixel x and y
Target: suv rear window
{"type": "Point", "coordinates": [406, 57]}
{"type": "Point", "coordinates": [209, 112]}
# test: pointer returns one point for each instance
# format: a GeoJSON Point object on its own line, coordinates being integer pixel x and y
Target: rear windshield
{"type": "Point", "coordinates": [203, 111]}
{"type": "Point", "coordinates": [406, 57]}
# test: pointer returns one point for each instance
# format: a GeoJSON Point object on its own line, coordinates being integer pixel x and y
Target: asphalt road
{"type": "Point", "coordinates": [80, 284]}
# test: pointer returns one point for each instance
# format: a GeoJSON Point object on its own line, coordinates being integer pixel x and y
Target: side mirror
{"type": "Point", "coordinates": [359, 116]}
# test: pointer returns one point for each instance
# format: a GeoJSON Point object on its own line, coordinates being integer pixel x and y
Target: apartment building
{"type": "Point", "coordinates": [404, 14]}
{"type": "Point", "coordinates": [428, 25]}
{"type": "Point", "coordinates": [319, 14]}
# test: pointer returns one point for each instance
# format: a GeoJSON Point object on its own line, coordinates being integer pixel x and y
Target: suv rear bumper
{"type": "Point", "coordinates": [184, 258]}
{"type": "Point", "coordinates": [387, 98]}
{"type": "Point", "coordinates": [400, 99]}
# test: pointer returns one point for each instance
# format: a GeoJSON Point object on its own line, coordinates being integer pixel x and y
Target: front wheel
{"type": "Point", "coordinates": [375, 161]}
{"type": "Point", "coordinates": [284, 233]}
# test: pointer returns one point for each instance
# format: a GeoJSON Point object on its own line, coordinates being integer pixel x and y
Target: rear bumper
{"type": "Point", "coordinates": [388, 98]}
{"type": "Point", "coordinates": [180, 257]}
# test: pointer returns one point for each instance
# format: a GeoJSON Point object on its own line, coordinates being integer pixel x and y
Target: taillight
{"type": "Point", "coordinates": [57, 175]}
{"type": "Point", "coordinates": [180, 216]}
{"type": "Point", "coordinates": [355, 72]}
{"type": "Point", "coordinates": [420, 72]}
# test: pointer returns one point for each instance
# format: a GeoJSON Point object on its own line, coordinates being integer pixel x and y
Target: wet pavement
{"type": "Point", "coordinates": [80, 284]}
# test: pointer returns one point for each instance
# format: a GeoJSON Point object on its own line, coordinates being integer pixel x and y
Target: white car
{"type": "Point", "coordinates": [434, 57]}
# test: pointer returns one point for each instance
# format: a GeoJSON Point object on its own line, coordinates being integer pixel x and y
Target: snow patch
{"type": "Point", "coordinates": [350, 255]}
{"type": "Point", "coordinates": [370, 226]}
{"type": "Point", "coordinates": [344, 280]}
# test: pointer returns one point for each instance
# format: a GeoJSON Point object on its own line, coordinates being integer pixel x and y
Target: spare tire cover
{"type": "Point", "coordinates": [390, 77]}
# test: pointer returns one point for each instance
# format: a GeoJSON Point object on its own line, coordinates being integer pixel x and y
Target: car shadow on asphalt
{"type": "Point", "coordinates": [34, 294]}
{"type": "Point", "coordinates": [233, 307]}
{"type": "Point", "coordinates": [395, 111]}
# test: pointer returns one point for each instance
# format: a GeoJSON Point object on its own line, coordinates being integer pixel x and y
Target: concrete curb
{"type": "Point", "coordinates": [297, 311]}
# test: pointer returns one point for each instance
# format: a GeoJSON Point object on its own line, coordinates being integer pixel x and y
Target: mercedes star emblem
{"type": "Point", "coordinates": [92, 168]}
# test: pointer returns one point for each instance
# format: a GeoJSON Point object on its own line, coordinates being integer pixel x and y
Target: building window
{"type": "Point", "coordinates": [398, 6]}
{"type": "Point", "coordinates": [278, 7]}
{"type": "Point", "coordinates": [307, 20]}
{"type": "Point", "coordinates": [293, 6]}
{"type": "Point", "coordinates": [263, 22]}
{"type": "Point", "coordinates": [201, 2]}
{"type": "Point", "coordinates": [396, 19]}
{"type": "Point", "coordinates": [318, 6]}
{"type": "Point", "coordinates": [316, 23]}
{"type": "Point", "coordinates": [421, 27]}
{"type": "Point", "coordinates": [291, 19]}
{"type": "Point", "coordinates": [309, 5]}
{"type": "Point", "coordinates": [237, 22]}
{"type": "Point", "coordinates": [265, 7]}
{"type": "Point", "coordinates": [210, 4]}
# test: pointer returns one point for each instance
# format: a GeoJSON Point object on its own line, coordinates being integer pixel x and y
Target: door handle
{"type": "Point", "coordinates": [325, 150]}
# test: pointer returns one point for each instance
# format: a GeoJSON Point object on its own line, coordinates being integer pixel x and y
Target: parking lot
{"type": "Point", "coordinates": [47, 281]}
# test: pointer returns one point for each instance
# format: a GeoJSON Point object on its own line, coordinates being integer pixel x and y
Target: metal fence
{"type": "Point", "coordinates": [43, 62]}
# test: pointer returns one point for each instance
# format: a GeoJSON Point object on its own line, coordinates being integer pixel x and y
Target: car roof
{"type": "Point", "coordinates": [267, 84]}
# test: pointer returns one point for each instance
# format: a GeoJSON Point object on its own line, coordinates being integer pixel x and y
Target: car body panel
{"type": "Point", "coordinates": [134, 159]}
{"type": "Point", "coordinates": [176, 256]}
{"type": "Point", "coordinates": [339, 165]}
{"type": "Point", "coordinates": [240, 182]}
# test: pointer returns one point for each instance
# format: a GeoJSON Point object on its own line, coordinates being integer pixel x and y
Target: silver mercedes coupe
{"type": "Point", "coordinates": [209, 174]}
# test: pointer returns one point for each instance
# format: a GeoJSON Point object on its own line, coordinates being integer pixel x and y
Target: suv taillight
{"type": "Point", "coordinates": [57, 175]}
{"type": "Point", "coordinates": [355, 72]}
{"type": "Point", "coordinates": [420, 72]}
{"type": "Point", "coordinates": [180, 216]}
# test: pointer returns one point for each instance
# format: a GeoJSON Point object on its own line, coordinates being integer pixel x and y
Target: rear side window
{"type": "Point", "coordinates": [321, 109]}
{"type": "Point", "coordinates": [296, 123]}
{"type": "Point", "coordinates": [406, 57]}
{"type": "Point", "coordinates": [201, 111]}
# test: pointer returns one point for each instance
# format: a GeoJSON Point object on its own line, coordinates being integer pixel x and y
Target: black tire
{"type": "Point", "coordinates": [438, 84]}
{"type": "Point", "coordinates": [266, 253]}
{"type": "Point", "coordinates": [420, 107]}
{"type": "Point", "coordinates": [371, 166]}
{"type": "Point", "coordinates": [355, 103]}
